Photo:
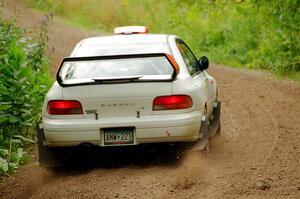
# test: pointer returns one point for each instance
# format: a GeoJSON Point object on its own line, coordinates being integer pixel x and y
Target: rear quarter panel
{"type": "Point", "coordinates": [184, 83]}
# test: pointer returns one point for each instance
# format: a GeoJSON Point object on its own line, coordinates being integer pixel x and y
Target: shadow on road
{"type": "Point", "coordinates": [141, 156]}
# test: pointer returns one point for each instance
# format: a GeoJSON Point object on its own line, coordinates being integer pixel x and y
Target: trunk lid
{"type": "Point", "coordinates": [117, 100]}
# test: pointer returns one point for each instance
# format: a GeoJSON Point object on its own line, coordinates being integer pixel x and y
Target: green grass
{"type": "Point", "coordinates": [253, 34]}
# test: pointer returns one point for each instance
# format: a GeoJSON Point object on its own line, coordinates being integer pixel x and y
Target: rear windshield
{"type": "Point", "coordinates": [137, 68]}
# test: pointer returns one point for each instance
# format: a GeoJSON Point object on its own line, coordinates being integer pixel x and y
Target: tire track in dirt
{"type": "Point", "coordinates": [260, 140]}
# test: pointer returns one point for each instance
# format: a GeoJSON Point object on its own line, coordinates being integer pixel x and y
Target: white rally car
{"type": "Point", "coordinates": [128, 89]}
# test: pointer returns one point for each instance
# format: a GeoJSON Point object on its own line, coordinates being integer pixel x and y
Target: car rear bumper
{"type": "Point", "coordinates": [149, 129]}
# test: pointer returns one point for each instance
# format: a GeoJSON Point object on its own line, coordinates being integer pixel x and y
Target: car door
{"type": "Point", "coordinates": [200, 79]}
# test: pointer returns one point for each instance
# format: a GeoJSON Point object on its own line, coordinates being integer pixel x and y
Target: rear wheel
{"type": "Point", "coordinates": [203, 142]}
{"type": "Point", "coordinates": [215, 123]}
{"type": "Point", "coordinates": [47, 157]}
{"type": "Point", "coordinates": [205, 132]}
{"type": "Point", "coordinates": [219, 130]}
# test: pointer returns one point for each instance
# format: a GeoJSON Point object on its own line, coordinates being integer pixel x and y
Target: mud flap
{"type": "Point", "coordinates": [46, 155]}
{"type": "Point", "coordinates": [203, 142]}
{"type": "Point", "coordinates": [214, 127]}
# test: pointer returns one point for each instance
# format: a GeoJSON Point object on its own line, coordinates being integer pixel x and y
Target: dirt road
{"type": "Point", "coordinates": [260, 141]}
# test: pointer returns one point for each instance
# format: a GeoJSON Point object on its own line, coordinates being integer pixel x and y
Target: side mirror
{"type": "Point", "coordinates": [204, 63]}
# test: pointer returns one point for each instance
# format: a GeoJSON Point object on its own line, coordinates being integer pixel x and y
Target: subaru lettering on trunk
{"type": "Point", "coordinates": [117, 105]}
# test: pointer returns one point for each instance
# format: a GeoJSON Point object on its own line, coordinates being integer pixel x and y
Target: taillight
{"type": "Point", "coordinates": [172, 102]}
{"type": "Point", "coordinates": [64, 107]}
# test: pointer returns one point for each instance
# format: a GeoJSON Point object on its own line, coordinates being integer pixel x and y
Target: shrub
{"type": "Point", "coordinates": [24, 80]}
{"type": "Point", "coordinates": [245, 33]}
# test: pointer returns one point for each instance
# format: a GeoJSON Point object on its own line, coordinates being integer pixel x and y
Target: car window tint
{"type": "Point", "coordinates": [188, 57]}
{"type": "Point", "coordinates": [146, 66]}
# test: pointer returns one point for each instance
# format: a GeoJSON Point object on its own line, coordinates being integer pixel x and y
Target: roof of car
{"type": "Point", "coordinates": [123, 44]}
{"type": "Point", "coordinates": [126, 39]}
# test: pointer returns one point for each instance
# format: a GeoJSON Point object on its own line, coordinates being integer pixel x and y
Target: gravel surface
{"type": "Point", "coordinates": [256, 156]}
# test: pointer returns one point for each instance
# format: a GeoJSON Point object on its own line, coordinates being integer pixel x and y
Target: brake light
{"type": "Point", "coordinates": [64, 107]}
{"type": "Point", "coordinates": [172, 102]}
{"type": "Point", "coordinates": [126, 30]}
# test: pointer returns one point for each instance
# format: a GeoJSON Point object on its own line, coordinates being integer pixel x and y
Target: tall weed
{"type": "Point", "coordinates": [24, 80]}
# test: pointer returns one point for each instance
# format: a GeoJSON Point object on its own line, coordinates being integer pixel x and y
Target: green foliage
{"type": "Point", "coordinates": [24, 80]}
{"type": "Point", "coordinates": [280, 44]}
{"type": "Point", "coordinates": [243, 33]}
{"type": "Point", "coordinates": [11, 158]}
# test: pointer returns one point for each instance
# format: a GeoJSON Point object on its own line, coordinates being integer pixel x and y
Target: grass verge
{"type": "Point", "coordinates": [240, 33]}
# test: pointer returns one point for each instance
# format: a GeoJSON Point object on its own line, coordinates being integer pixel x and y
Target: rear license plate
{"type": "Point", "coordinates": [118, 136]}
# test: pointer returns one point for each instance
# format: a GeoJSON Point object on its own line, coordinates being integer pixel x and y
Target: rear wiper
{"type": "Point", "coordinates": [117, 79]}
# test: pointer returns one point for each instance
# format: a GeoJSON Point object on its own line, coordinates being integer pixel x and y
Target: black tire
{"type": "Point", "coordinates": [215, 124]}
{"type": "Point", "coordinates": [204, 128]}
{"type": "Point", "coordinates": [46, 156]}
{"type": "Point", "coordinates": [219, 130]}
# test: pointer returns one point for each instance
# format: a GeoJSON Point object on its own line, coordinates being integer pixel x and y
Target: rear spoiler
{"type": "Point", "coordinates": [169, 57]}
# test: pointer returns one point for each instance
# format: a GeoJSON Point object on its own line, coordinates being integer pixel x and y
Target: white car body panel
{"type": "Point", "coordinates": [130, 104]}
{"type": "Point", "coordinates": [177, 127]}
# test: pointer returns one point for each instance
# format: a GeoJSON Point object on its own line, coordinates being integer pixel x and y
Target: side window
{"type": "Point", "coordinates": [188, 57]}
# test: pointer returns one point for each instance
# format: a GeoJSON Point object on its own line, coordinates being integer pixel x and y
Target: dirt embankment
{"type": "Point", "coordinates": [260, 141]}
